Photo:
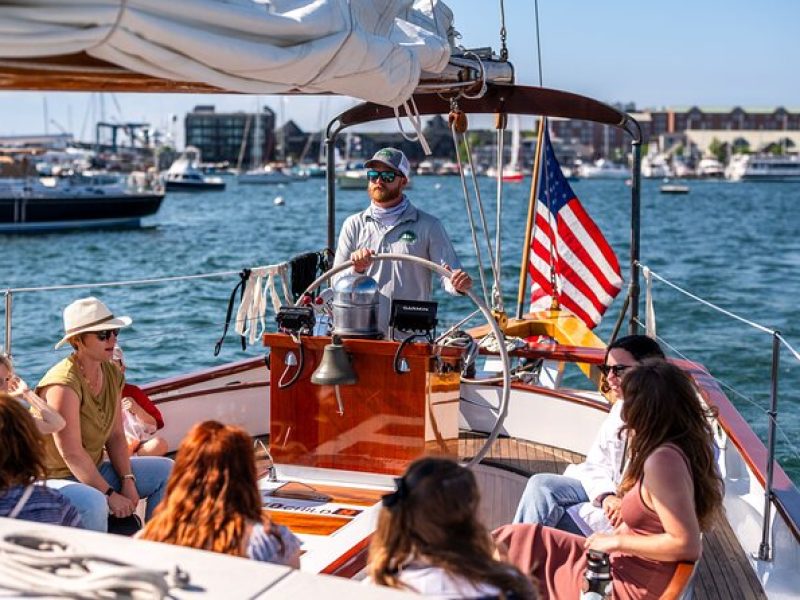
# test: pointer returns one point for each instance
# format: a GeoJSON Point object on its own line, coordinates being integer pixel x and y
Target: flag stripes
{"type": "Point", "coordinates": [587, 273]}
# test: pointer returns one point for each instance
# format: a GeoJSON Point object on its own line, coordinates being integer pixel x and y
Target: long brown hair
{"type": "Point", "coordinates": [212, 495]}
{"type": "Point", "coordinates": [433, 516]}
{"type": "Point", "coordinates": [662, 405]}
{"type": "Point", "coordinates": [22, 454]}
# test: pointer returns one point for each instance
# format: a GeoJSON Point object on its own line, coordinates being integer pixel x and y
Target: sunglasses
{"type": "Point", "coordinates": [615, 369]}
{"type": "Point", "coordinates": [385, 176]}
{"type": "Point", "coordinates": [106, 334]}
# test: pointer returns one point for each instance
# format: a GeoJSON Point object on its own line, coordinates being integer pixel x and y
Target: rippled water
{"type": "Point", "coordinates": [735, 245]}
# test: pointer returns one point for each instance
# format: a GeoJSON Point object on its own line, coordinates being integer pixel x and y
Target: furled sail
{"type": "Point", "coordinates": [370, 49]}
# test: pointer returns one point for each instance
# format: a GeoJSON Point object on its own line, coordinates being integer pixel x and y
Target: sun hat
{"type": "Point", "coordinates": [89, 314]}
{"type": "Point", "coordinates": [392, 158]}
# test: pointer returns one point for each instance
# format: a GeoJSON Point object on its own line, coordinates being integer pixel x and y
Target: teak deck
{"type": "Point", "coordinates": [724, 572]}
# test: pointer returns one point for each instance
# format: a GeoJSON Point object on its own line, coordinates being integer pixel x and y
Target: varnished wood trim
{"type": "Point", "coordinates": [352, 562]}
{"type": "Point", "coordinates": [174, 383]}
{"type": "Point", "coordinates": [211, 391]}
{"type": "Point", "coordinates": [360, 346]}
{"type": "Point", "coordinates": [308, 524]}
{"type": "Point", "coordinates": [81, 72]}
{"type": "Point", "coordinates": [787, 497]}
{"type": "Point", "coordinates": [680, 578]}
{"type": "Point", "coordinates": [560, 352]}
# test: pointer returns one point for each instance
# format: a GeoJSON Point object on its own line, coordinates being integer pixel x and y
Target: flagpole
{"type": "Point", "coordinates": [526, 249]}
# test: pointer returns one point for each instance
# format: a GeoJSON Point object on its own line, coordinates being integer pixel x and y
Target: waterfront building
{"type": "Point", "coordinates": [229, 137]}
{"type": "Point", "coordinates": [695, 126]}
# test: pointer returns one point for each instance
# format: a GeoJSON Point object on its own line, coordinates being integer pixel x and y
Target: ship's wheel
{"type": "Point", "coordinates": [487, 315]}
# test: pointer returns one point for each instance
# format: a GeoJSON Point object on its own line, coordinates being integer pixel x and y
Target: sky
{"type": "Point", "coordinates": [655, 54]}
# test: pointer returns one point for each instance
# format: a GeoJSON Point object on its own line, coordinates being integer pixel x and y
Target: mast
{"type": "Point", "coordinates": [255, 149]}
{"type": "Point", "coordinates": [526, 249]}
{"type": "Point", "coordinates": [515, 144]}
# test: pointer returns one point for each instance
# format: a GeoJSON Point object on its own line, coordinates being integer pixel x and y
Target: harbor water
{"type": "Point", "coordinates": [733, 244]}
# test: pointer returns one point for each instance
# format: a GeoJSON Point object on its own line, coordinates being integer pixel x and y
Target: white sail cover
{"type": "Point", "coordinates": [370, 49]}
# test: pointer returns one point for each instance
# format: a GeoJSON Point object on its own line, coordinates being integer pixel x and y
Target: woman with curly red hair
{"type": "Point", "coordinates": [213, 502]}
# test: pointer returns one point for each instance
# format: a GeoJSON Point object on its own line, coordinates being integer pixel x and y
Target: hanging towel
{"type": "Point", "coordinates": [251, 316]}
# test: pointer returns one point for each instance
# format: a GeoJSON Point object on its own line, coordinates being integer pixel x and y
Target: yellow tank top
{"type": "Point", "coordinates": [97, 413]}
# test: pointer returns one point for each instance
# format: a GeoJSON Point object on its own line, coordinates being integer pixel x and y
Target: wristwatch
{"type": "Point", "coordinates": [109, 491]}
{"type": "Point", "coordinates": [130, 476]}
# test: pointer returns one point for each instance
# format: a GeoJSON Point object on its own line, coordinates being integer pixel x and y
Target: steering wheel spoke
{"type": "Point", "coordinates": [481, 307]}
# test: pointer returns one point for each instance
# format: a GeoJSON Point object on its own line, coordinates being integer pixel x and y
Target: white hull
{"type": "Point", "coordinates": [264, 178]}
{"type": "Point", "coordinates": [242, 398]}
{"type": "Point", "coordinates": [602, 169]}
{"type": "Point", "coordinates": [764, 168]}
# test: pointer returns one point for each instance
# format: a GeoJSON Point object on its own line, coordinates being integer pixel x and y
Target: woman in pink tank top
{"type": "Point", "coordinates": [670, 492]}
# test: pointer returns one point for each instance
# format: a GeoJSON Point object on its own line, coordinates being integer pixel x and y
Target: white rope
{"type": "Point", "coordinates": [32, 563]}
{"type": "Point", "coordinates": [650, 311]}
{"type": "Point", "coordinates": [723, 383]}
{"type": "Point", "coordinates": [737, 393]}
{"type": "Point", "coordinates": [783, 341]}
{"type": "Point", "coordinates": [122, 283]}
{"type": "Point", "coordinates": [707, 303]}
{"type": "Point", "coordinates": [412, 112]}
{"type": "Point", "coordinates": [649, 272]}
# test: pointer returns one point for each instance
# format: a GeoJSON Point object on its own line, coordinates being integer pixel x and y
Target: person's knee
{"type": "Point", "coordinates": [92, 506]}
{"type": "Point", "coordinates": [151, 472]}
{"type": "Point", "coordinates": [154, 447]}
{"type": "Point", "coordinates": [541, 485]}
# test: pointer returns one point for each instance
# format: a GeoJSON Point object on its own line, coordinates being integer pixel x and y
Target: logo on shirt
{"type": "Point", "coordinates": [408, 236]}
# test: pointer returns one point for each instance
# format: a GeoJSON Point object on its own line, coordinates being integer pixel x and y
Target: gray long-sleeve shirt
{"type": "Point", "coordinates": [416, 233]}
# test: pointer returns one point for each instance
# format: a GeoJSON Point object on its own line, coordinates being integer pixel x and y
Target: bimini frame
{"type": "Point", "coordinates": [511, 99]}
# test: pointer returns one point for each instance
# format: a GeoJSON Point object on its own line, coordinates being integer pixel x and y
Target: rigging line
{"type": "Point", "coordinates": [724, 384]}
{"type": "Point", "coordinates": [497, 291]}
{"type": "Point", "coordinates": [479, 201]}
{"type": "Point", "coordinates": [468, 205]}
{"type": "Point", "coordinates": [452, 328]}
{"type": "Point", "coordinates": [538, 41]}
{"type": "Point", "coordinates": [786, 440]}
{"type": "Point", "coordinates": [123, 282]}
{"type": "Point", "coordinates": [707, 303]}
{"type": "Point", "coordinates": [212, 326]}
{"type": "Point", "coordinates": [788, 345]}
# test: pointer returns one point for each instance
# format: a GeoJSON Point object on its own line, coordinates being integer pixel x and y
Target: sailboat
{"type": "Point", "coordinates": [344, 442]}
{"type": "Point", "coordinates": [511, 172]}
{"type": "Point", "coordinates": [259, 173]}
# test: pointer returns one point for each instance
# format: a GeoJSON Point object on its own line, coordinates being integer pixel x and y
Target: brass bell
{"type": "Point", "coordinates": [335, 367]}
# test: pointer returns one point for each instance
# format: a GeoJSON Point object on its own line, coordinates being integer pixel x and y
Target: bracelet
{"type": "Point", "coordinates": [109, 491]}
{"type": "Point", "coordinates": [130, 476]}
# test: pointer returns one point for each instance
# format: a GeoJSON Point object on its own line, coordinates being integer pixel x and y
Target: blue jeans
{"type": "Point", "coordinates": [546, 498]}
{"type": "Point", "coordinates": [151, 482]}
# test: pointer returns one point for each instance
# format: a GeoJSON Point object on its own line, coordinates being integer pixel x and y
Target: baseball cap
{"type": "Point", "coordinates": [392, 158]}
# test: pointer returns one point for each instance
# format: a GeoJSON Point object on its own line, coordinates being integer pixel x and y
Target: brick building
{"type": "Point", "coordinates": [675, 125]}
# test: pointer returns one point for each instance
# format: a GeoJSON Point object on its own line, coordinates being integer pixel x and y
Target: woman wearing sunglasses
{"type": "Point", "coordinates": [592, 483]}
{"type": "Point", "coordinates": [671, 491]}
{"type": "Point", "coordinates": [85, 388]}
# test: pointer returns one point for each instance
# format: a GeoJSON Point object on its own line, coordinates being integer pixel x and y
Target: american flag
{"type": "Point", "coordinates": [587, 275]}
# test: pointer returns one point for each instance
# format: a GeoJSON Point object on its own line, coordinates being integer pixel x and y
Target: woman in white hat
{"type": "Point", "coordinates": [85, 388]}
